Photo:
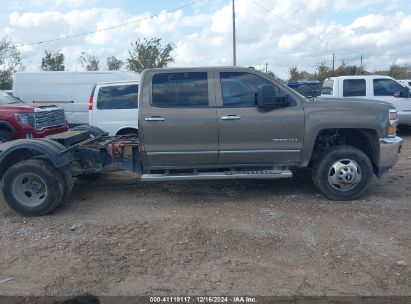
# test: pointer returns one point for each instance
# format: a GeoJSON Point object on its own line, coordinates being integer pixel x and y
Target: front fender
{"type": "Point", "coordinates": [349, 113]}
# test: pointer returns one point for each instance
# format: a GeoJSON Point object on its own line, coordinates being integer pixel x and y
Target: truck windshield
{"type": "Point", "coordinates": [327, 88]}
{"type": "Point", "coordinates": [7, 99]}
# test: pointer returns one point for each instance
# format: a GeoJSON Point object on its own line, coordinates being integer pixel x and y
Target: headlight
{"type": "Point", "coordinates": [25, 119]}
{"type": "Point", "coordinates": [392, 123]}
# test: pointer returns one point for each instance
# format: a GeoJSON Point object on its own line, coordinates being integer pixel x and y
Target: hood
{"type": "Point", "coordinates": [23, 107]}
{"type": "Point", "coordinates": [360, 103]}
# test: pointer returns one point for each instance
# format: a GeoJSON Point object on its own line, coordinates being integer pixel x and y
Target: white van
{"type": "Point", "coordinates": [375, 87]}
{"type": "Point", "coordinates": [113, 107]}
{"type": "Point", "coordinates": [69, 90]}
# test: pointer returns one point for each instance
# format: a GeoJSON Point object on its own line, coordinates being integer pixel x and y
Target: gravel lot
{"type": "Point", "coordinates": [119, 237]}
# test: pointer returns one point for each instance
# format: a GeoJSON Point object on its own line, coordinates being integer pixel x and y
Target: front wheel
{"type": "Point", "coordinates": [33, 187]}
{"type": "Point", "coordinates": [342, 173]}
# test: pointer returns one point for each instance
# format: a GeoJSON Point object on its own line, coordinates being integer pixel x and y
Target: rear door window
{"type": "Point", "coordinates": [118, 97]}
{"type": "Point", "coordinates": [354, 87]}
{"type": "Point", "coordinates": [184, 89]}
{"type": "Point", "coordinates": [327, 88]}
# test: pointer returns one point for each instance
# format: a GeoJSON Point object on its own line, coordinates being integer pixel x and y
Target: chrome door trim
{"type": "Point", "coordinates": [230, 117]}
{"type": "Point", "coordinates": [154, 119]}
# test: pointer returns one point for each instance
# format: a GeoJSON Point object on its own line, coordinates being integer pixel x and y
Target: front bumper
{"type": "Point", "coordinates": [390, 149]}
{"type": "Point", "coordinates": [40, 134]}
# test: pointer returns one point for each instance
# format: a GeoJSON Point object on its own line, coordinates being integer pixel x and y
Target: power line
{"type": "Point", "coordinates": [111, 27]}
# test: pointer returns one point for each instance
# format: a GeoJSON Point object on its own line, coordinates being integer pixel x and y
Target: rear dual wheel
{"type": "Point", "coordinates": [35, 187]}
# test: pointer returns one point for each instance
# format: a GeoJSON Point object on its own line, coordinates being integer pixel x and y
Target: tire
{"type": "Point", "coordinates": [33, 187]}
{"type": "Point", "coordinates": [342, 173]}
{"type": "Point", "coordinates": [5, 136]}
{"type": "Point", "coordinates": [94, 131]}
{"type": "Point", "coordinates": [68, 182]}
{"type": "Point", "coordinates": [65, 175]}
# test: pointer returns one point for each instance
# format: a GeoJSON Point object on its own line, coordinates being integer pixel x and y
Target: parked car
{"type": "Point", "coordinates": [199, 123]}
{"type": "Point", "coordinates": [309, 88]}
{"type": "Point", "coordinates": [69, 90]}
{"type": "Point", "coordinates": [19, 120]}
{"type": "Point", "coordinates": [113, 107]}
{"type": "Point", "coordinates": [374, 87]}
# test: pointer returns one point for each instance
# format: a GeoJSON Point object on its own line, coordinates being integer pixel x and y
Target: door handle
{"type": "Point", "coordinates": [154, 118]}
{"type": "Point", "coordinates": [230, 117]}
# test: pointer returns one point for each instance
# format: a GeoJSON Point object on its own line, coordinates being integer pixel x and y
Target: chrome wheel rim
{"type": "Point", "coordinates": [29, 189]}
{"type": "Point", "coordinates": [344, 174]}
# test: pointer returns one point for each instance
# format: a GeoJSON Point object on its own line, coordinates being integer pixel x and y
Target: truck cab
{"type": "Point", "coordinates": [373, 87]}
{"type": "Point", "coordinates": [208, 117]}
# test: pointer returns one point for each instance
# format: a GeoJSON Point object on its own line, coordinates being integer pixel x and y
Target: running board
{"type": "Point", "coordinates": [250, 174]}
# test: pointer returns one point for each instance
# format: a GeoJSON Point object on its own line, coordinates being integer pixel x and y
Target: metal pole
{"type": "Point", "coordinates": [234, 42]}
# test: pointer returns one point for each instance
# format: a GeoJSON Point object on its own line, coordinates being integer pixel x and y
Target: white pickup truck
{"type": "Point", "coordinates": [381, 88]}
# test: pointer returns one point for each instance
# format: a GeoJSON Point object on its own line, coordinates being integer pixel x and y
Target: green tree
{"type": "Point", "coordinates": [10, 62]}
{"type": "Point", "coordinates": [149, 53]}
{"type": "Point", "coordinates": [89, 61]}
{"type": "Point", "coordinates": [296, 75]}
{"type": "Point", "coordinates": [52, 61]}
{"type": "Point", "coordinates": [322, 72]}
{"type": "Point", "coordinates": [113, 63]}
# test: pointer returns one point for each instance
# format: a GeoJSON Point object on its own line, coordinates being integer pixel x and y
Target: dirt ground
{"type": "Point", "coordinates": [119, 237]}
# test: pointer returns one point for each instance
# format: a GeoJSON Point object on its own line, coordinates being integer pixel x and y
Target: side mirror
{"type": "Point", "coordinates": [267, 97]}
{"type": "Point", "coordinates": [403, 93]}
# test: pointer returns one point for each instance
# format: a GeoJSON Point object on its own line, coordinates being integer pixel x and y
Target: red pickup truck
{"type": "Point", "coordinates": [19, 120]}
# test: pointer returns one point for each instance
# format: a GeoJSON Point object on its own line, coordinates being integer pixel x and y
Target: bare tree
{"type": "Point", "coordinates": [89, 61]}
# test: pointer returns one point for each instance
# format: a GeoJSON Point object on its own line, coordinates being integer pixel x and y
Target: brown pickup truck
{"type": "Point", "coordinates": [213, 123]}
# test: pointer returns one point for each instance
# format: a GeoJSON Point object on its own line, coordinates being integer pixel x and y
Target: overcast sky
{"type": "Point", "coordinates": [283, 33]}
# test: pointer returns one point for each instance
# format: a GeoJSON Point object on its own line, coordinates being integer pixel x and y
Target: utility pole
{"type": "Point", "coordinates": [361, 62]}
{"type": "Point", "coordinates": [266, 67]}
{"type": "Point", "coordinates": [234, 42]}
{"type": "Point", "coordinates": [333, 61]}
